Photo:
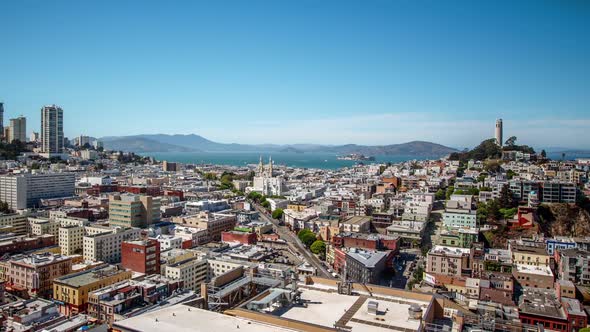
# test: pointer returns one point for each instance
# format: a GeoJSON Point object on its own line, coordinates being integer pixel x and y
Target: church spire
{"type": "Point", "coordinates": [270, 166]}
{"type": "Point", "coordinates": [260, 167]}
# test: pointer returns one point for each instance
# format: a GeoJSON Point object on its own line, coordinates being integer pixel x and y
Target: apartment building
{"type": "Point", "coordinates": [142, 256]}
{"type": "Point", "coordinates": [460, 219]}
{"type": "Point", "coordinates": [40, 226]}
{"type": "Point", "coordinates": [34, 273]}
{"type": "Point", "coordinates": [193, 271]}
{"type": "Point", "coordinates": [356, 224]}
{"type": "Point", "coordinates": [574, 265]}
{"type": "Point", "coordinates": [71, 240]}
{"type": "Point", "coordinates": [71, 291]}
{"type": "Point", "coordinates": [529, 255]}
{"type": "Point", "coordinates": [16, 223]}
{"type": "Point", "coordinates": [129, 210]}
{"type": "Point", "coordinates": [451, 261]}
{"type": "Point", "coordinates": [213, 223]}
{"type": "Point", "coordinates": [106, 247]}
{"type": "Point", "coordinates": [25, 190]}
{"type": "Point", "coordinates": [366, 266]}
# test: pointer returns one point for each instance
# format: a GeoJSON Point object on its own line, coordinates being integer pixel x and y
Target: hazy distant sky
{"type": "Point", "coordinates": [302, 71]}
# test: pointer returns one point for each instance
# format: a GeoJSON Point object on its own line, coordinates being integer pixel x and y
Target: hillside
{"type": "Point", "coordinates": [564, 220]}
{"type": "Point", "coordinates": [179, 143]}
{"type": "Point", "coordinates": [141, 145]}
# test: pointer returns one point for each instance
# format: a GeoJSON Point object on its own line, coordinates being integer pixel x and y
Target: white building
{"type": "Point", "coordinates": [169, 242]}
{"type": "Point", "coordinates": [265, 182]}
{"type": "Point", "coordinates": [25, 190]}
{"type": "Point", "coordinates": [88, 154]}
{"type": "Point", "coordinates": [71, 240]}
{"type": "Point", "coordinates": [18, 129]}
{"type": "Point", "coordinates": [192, 271]}
{"type": "Point", "coordinates": [106, 247]}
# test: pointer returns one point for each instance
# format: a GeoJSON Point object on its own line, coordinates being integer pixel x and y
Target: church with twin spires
{"type": "Point", "coordinates": [265, 182]}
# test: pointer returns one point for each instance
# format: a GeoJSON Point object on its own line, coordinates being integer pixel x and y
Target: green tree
{"type": "Point", "coordinates": [506, 199]}
{"type": "Point", "coordinates": [543, 154]}
{"type": "Point", "coordinates": [510, 174]}
{"type": "Point", "coordinates": [307, 237]}
{"type": "Point", "coordinates": [277, 213]}
{"type": "Point", "coordinates": [508, 213]}
{"type": "Point", "coordinates": [265, 204]}
{"type": "Point", "coordinates": [210, 176]}
{"type": "Point", "coordinates": [440, 194]}
{"type": "Point", "coordinates": [450, 191]}
{"type": "Point", "coordinates": [492, 166]}
{"type": "Point", "coordinates": [318, 247]}
{"type": "Point", "coordinates": [473, 191]}
{"type": "Point", "coordinates": [4, 207]}
{"type": "Point", "coordinates": [511, 141]}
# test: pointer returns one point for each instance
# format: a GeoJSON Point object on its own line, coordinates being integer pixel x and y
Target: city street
{"type": "Point", "coordinates": [294, 242]}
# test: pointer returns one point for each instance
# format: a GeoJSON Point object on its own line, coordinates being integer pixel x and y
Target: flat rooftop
{"type": "Point", "coordinates": [178, 318]}
{"type": "Point", "coordinates": [325, 307]}
{"type": "Point", "coordinates": [88, 277]}
{"type": "Point", "coordinates": [540, 270]}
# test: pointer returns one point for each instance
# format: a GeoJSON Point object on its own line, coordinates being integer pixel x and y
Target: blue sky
{"type": "Point", "coordinates": [303, 71]}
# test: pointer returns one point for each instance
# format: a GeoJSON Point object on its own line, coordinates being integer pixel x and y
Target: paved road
{"type": "Point", "coordinates": [295, 244]}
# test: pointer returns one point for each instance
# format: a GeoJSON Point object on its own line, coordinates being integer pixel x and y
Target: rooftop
{"type": "Point", "coordinates": [89, 276]}
{"type": "Point", "coordinates": [366, 257]}
{"type": "Point", "coordinates": [180, 318]}
{"type": "Point", "coordinates": [542, 302]}
{"type": "Point", "coordinates": [356, 220]}
{"type": "Point", "coordinates": [541, 270]}
{"type": "Point", "coordinates": [325, 307]}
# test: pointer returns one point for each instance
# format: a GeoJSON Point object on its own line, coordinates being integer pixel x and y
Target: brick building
{"type": "Point", "coordinates": [141, 256]}
{"type": "Point", "coordinates": [240, 237]}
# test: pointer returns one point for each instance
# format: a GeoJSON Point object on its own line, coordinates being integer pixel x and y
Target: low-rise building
{"type": "Point", "coordinates": [451, 261]}
{"type": "Point", "coordinates": [366, 266]}
{"type": "Point", "coordinates": [71, 291]}
{"type": "Point", "coordinates": [34, 273]}
{"type": "Point", "coordinates": [125, 298]}
{"type": "Point", "coordinates": [536, 276]}
{"type": "Point", "coordinates": [192, 271]}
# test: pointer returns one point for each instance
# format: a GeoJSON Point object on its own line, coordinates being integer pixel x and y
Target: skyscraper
{"type": "Point", "coordinates": [1, 119]}
{"type": "Point", "coordinates": [52, 130]}
{"type": "Point", "coordinates": [18, 129]}
{"type": "Point", "coordinates": [499, 132]}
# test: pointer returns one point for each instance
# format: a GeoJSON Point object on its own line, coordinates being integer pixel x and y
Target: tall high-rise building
{"type": "Point", "coordinates": [18, 129]}
{"type": "Point", "coordinates": [499, 132]}
{"type": "Point", "coordinates": [1, 118]}
{"type": "Point", "coordinates": [52, 129]}
{"type": "Point", "coordinates": [34, 136]}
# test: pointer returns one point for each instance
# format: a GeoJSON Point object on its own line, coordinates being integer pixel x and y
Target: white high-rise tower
{"type": "Point", "coordinates": [52, 129]}
{"type": "Point", "coordinates": [499, 132]}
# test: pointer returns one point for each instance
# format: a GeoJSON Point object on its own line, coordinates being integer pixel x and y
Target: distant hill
{"type": "Point", "coordinates": [195, 143]}
{"type": "Point", "coordinates": [141, 144]}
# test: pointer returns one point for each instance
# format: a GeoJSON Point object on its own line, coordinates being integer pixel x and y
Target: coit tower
{"type": "Point", "coordinates": [499, 132]}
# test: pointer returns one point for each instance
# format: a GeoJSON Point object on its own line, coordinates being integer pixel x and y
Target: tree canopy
{"type": "Point", "coordinates": [318, 247]}
{"type": "Point", "coordinates": [307, 237]}
{"type": "Point", "coordinates": [487, 149]}
{"type": "Point", "coordinates": [277, 213]}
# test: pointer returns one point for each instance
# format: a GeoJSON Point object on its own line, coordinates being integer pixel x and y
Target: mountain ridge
{"type": "Point", "coordinates": [195, 143]}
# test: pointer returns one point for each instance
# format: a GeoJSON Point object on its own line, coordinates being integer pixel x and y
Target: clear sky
{"type": "Point", "coordinates": [303, 71]}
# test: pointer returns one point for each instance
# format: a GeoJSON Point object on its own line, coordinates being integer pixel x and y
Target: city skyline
{"type": "Point", "coordinates": [366, 73]}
